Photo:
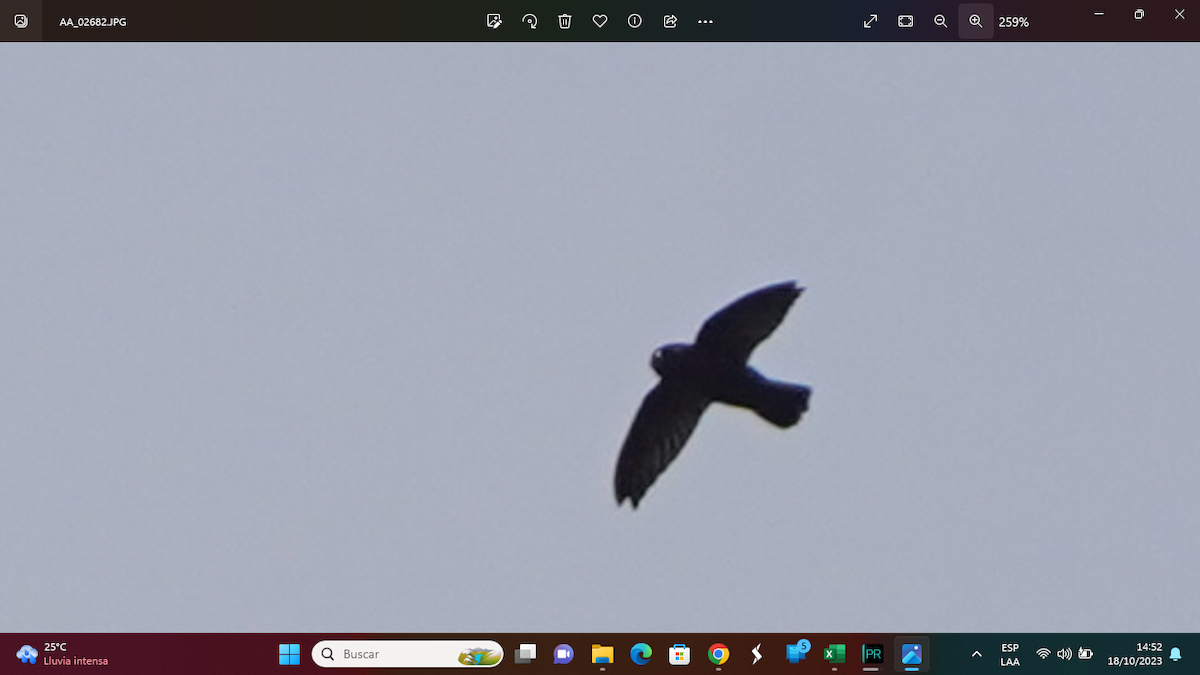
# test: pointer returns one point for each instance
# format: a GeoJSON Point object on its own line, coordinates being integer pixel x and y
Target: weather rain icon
{"type": "Point", "coordinates": [27, 654]}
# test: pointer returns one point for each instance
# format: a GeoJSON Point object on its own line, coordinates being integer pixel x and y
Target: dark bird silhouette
{"type": "Point", "coordinates": [713, 369]}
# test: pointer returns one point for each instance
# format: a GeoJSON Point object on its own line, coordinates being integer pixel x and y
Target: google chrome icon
{"type": "Point", "coordinates": [718, 653]}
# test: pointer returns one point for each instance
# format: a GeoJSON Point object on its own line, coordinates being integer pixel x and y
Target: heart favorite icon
{"type": "Point", "coordinates": [599, 20]}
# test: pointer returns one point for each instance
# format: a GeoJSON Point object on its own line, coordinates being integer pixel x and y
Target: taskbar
{"type": "Point", "coordinates": [606, 653]}
{"type": "Point", "coordinates": [600, 21]}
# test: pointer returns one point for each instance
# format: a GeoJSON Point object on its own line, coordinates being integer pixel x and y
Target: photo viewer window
{"type": "Point", "coordinates": [760, 337]}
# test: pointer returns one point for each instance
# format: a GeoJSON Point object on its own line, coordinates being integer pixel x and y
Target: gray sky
{"type": "Point", "coordinates": [310, 337]}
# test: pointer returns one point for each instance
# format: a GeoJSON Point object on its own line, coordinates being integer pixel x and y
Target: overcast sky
{"type": "Point", "coordinates": [314, 337]}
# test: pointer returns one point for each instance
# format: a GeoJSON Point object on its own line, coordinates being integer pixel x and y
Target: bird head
{"type": "Point", "coordinates": [667, 359]}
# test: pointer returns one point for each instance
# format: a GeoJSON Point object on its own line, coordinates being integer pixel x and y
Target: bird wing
{"type": "Point", "coordinates": [737, 328]}
{"type": "Point", "coordinates": [668, 416]}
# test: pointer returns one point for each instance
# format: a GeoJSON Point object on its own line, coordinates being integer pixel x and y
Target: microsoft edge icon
{"type": "Point", "coordinates": [640, 653]}
{"type": "Point", "coordinates": [797, 651]}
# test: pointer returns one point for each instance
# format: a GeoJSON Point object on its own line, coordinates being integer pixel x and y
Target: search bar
{"type": "Point", "coordinates": [407, 653]}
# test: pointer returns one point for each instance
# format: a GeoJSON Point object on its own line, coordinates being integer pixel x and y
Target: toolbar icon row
{"type": "Point", "coordinates": [494, 21]}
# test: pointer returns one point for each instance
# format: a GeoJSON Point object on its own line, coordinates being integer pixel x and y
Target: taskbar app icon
{"type": "Point", "coordinates": [640, 653]}
{"type": "Point", "coordinates": [602, 654]}
{"type": "Point", "coordinates": [799, 651]}
{"type": "Point", "coordinates": [912, 654]}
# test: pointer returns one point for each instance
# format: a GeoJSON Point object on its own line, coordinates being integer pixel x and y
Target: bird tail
{"type": "Point", "coordinates": [782, 404]}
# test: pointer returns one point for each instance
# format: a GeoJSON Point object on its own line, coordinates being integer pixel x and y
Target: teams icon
{"type": "Point", "coordinates": [640, 653]}
{"type": "Point", "coordinates": [718, 653]}
{"type": "Point", "coordinates": [563, 654]}
{"type": "Point", "coordinates": [796, 652]}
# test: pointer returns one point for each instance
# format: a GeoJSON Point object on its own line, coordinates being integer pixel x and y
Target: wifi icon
{"type": "Point", "coordinates": [1043, 652]}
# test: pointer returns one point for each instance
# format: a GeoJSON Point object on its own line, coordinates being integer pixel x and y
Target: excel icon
{"type": "Point", "coordinates": [835, 653]}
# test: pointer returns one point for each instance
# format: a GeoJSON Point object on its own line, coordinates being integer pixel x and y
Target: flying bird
{"type": "Point", "coordinates": [714, 368]}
